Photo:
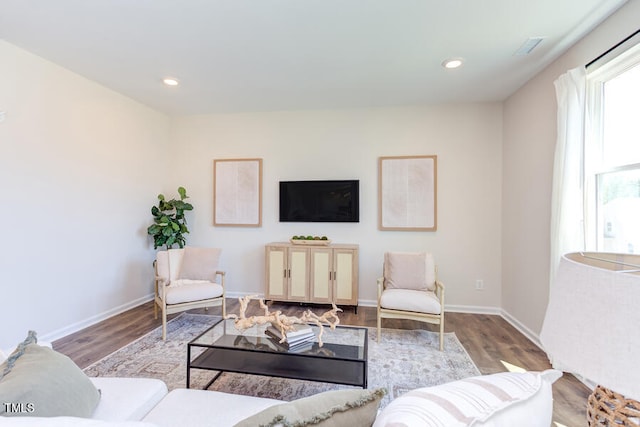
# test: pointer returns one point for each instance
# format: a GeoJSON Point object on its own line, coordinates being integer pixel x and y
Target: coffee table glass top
{"type": "Point", "coordinates": [343, 342]}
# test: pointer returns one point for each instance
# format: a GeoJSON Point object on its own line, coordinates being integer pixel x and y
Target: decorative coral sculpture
{"type": "Point", "coordinates": [282, 322]}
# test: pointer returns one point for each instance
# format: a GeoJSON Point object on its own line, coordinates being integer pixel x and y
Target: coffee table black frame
{"type": "Point", "coordinates": [341, 360]}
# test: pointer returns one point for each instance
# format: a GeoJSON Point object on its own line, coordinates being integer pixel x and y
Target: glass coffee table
{"type": "Point", "coordinates": [223, 348]}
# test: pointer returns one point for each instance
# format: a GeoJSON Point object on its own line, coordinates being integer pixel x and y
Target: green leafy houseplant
{"type": "Point", "coordinates": [169, 224]}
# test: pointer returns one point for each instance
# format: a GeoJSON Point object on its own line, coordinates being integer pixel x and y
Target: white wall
{"type": "Point", "coordinates": [80, 167]}
{"type": "Point", "coordinates": [529, 143]}
{"type": "Point", "coordinates": [346, 144]}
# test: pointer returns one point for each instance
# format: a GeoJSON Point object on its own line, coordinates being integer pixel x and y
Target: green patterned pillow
{"type": "Point", "coordinates": [38, 381]}
{"type": "Point", "coordinates": [353, 408]}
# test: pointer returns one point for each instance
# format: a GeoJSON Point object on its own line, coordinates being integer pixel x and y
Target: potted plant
{"type": "Point", "coordinates": [169, 223]}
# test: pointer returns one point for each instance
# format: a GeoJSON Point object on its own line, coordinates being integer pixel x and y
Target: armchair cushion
{"type": "Point", "coordinates": [409, 270]}
{"type": "Point", "coordinates": [193, 292]}
{"type": "Point", "coordinates": [410, 300]}
{"type": "Point", "coordinates": [199, 263]}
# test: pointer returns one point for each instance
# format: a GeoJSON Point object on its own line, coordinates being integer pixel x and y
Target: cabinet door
{"type": "Point", "coordinates": [298, 273]}
{"type": "Point", "coordinates": [345, 276]}
{"type": "Point", "coordinates": [321, 277]}
{"type": "Point", "coordinates": [276, 272]}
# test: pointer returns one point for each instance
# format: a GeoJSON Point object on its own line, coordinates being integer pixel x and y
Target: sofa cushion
{"type": "Point", "coordinates": [409, 270]}
{"type": "Point", "coordinates": [127, 399]}
{"type": "Point", "coordinates": [199, 263]}
{"type": "Point", "coordinates": [38, 381]}
{"type": "Point", "coordinates": [410, 300]}
{"type": "Point", "coordinates": [200, 408]}
{"type": "Point", "coordinates": [351, 408]}
{"type": "Point", "coordinates": [67, 422]}
{"type": "Point", "coordinates": [504, 399]}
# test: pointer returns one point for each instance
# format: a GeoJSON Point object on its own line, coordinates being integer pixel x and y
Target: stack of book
{"type": "Point", "coordinates": [300, 337]}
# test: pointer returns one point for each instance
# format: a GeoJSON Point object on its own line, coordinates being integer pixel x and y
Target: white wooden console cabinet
{"type": "Point", "coordinates": [315, 274]}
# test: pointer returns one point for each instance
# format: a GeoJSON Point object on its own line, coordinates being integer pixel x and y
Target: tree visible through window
{"type": "Point", "coordinates": [612, 166]}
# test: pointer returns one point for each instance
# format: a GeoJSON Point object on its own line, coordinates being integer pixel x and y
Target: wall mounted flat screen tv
{"type": "Point", "coordinates": [320, 201]}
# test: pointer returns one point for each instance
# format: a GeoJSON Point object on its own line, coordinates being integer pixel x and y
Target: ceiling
{"type": "Point", "coordinates": [266, 55]}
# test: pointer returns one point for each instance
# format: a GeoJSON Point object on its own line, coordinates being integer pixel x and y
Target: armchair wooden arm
{"type": "Point", "coordinates": [440, 293]}
{"type": "Point", "coordinates": [380, 287]}
{"type": "Point", "coordinates": [222, 275]}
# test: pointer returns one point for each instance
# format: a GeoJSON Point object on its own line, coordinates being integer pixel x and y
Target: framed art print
{"type": "Point", "coordinates": [237, 192]}
{"type": "Point", "coordinates": [407, 193]}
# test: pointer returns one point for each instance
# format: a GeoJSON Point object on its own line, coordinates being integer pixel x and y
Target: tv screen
{"type": "Point", "coordinates": [319, 201]}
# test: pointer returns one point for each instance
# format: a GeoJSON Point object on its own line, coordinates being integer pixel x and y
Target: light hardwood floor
{"type": "Point", "coordinates": [488, 339]}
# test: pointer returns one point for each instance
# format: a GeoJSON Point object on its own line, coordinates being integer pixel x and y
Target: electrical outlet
{"type": "Point", "coordinates": [479, 285]}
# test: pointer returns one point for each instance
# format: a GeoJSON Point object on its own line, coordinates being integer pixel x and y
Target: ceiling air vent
{"type": "Point", "coordinates": [528, 46]}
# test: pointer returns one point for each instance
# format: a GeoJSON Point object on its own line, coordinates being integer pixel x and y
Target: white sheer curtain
{"type": "Point", "coordinates": [567, 202]}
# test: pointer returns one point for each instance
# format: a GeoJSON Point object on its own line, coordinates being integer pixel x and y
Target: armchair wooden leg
{"type": "Point", "coordinates": [224, 308]}
{"type": "Point", "coordinates": [164, 324]}
{"type": "Point", "coordinates": [155, 310]}
{"type": "Point", "coordinates": [442, 334]}
{"type": "Point", "coordinates": [379, 324]}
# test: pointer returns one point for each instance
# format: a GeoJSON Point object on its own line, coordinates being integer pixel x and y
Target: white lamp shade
{"type": "Point", "coordinates": [591, 324]}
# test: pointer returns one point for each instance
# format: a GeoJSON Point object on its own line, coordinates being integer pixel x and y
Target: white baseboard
{"type": "Point", "coordinates": [368, 303]}
{"type": "Point", "coordinates": [361, 303]}
{"type": "Point", "coordinates": [75, 327]}
{"type": "Point", "coordinates": [242, 294]}
{"type": "Point", "coordinates": [451, 308]}
{"type": "Point", "coordinates": [532, 336]}
{"type": "Point", "coordinates": [67, 330]}
{"type": "Point", "coordinates": [472, 309]}
{"type": "Point", "coordinates": [374, 303]}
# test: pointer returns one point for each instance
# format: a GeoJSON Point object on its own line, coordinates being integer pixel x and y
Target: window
{"type": "Point", "coordinates": [612, 155]}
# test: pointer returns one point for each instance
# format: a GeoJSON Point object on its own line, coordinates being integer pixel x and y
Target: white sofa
{"type": "Point", "coordinates": [146, 402]}
{"type": "Point", "coordinates": [506, 399]}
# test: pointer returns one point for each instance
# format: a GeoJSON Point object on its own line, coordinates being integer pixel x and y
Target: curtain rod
{"type": "Point", "coordinates": [620, 43]}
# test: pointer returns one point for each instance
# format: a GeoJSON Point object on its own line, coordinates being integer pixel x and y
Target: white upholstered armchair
{"type": "Point", "coordinates": [185, 279]}
{"type": "Point", "coordinates": [409, 289]}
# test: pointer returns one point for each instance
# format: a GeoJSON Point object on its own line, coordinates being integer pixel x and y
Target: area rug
{"type": "Point", "coordinates": [403, 360]}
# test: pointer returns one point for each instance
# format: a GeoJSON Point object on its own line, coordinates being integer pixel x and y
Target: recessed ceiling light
{"type": "Point", "coordinates": [452, 63]}
{"type": "Point", "coordinates": [170, 81]}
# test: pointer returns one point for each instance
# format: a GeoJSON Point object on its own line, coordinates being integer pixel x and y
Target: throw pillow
{"type": "Point", "coordinates": [351, 408]}
{"type": "Point", "coordinates": [199, 263]}
{"type": "Point", "coordinates": [38, 381]}
{"type": "Point", "coordinates": [504, 399]}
